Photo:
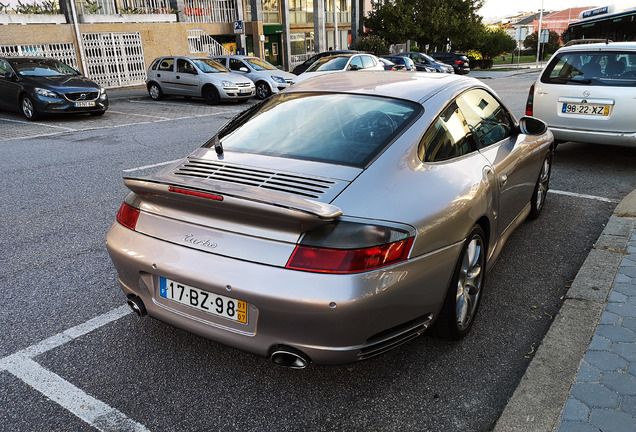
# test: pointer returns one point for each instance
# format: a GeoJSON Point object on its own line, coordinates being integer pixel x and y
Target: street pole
{"type": "Point", "coordinates": [539, 32]}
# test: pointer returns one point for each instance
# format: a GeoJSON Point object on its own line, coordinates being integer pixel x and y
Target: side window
{"type": "Point", "coordinates": [185, 66]}
{"type": "Point", "coordinates": [356, 61]}
{"type": "Point", "coordinates": [4, 67]}
{"type": "Point", "coordinates": [235, 64]}
{"type": "Point", "coordinates": [166, 64]}
{"type": "Point", "coordinates": [367, 62]}
{"type": "Point", "coordinates": [447, 138]}
{"type": "Point", "coordinates": [486, 117]}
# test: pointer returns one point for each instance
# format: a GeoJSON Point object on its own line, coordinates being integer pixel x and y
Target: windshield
{"type": "Point", "coordinates": [329, 63]}
{"type": "Point", "coordinates": [604, 68]}
{"type": "Point", "coordinates": [259, 64]}
{"type": "Point", "coordinates": [42, 67]}
{"type": "Point", "coordinates": [209, 66]}
{"type": "Point", "coordinates": [342, 129]}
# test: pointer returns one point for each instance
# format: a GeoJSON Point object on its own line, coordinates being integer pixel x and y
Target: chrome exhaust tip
{"type": "Point", "coordinates": [289, 357]}
{"type": "Point", "coordinates": [137, 306]}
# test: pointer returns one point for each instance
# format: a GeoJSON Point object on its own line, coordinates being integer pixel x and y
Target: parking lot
{"type": "Point", "coordinates": [73, 358]}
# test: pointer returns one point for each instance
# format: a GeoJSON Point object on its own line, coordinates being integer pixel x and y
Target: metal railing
{"type": "Point", "coordinates": [299, 58]}
{"type": "Point", "coordinates": [203, 11]}
{"type": "Point", "coordinates": [200, 42]}
{"type": "Point", "coordinates": [116, 7]}
{"type": "Point", "coordinates": [64, 52]}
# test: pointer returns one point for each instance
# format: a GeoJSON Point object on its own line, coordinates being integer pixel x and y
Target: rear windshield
{"type": "Point", "coordinates": [342, 129]}
{"type": "Point", "coordinates": [603, 68]}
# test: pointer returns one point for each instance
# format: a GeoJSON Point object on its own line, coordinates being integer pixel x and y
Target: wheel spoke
{"type": "Point", "coordinates": [469, 283]}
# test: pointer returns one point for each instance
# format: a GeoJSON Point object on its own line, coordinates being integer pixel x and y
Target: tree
{"type": "Point", "coordinates": [428, 22]}
{"type": "Point", "coordinates": [371, 43]}
{"type": "Point", "coordinates": [553, 44]}
{"type": "Point", "coordinates": [492, 43]}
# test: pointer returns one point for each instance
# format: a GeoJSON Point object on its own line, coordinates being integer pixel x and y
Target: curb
{"type": "Point", "coordinates": [538, 401]}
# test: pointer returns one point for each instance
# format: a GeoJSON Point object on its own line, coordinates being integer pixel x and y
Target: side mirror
{"type": "Point", "coordinates": [244, 69]}
{"type": "Point", "coordinates": [354, 67]}
{"type": "Point", "coordinates": [532, 126]}
{"type": "Point", "coordinates": [9, 75]}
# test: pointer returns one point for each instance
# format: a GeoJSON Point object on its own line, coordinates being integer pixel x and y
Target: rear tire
{"type": "Point", "coordinates": [155, 91]}
{"type": "Point", "coordinates": [28, 108]}
{"type": "Point", "coordinates": [541, 188]}
{"type": "Point", "coordinates": [464, 292]}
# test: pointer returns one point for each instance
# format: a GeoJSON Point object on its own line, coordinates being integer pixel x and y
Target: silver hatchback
{"type": "Point", "coordinates": [197, 77]}
{"type": "Point", "coordinates": [587, 93]}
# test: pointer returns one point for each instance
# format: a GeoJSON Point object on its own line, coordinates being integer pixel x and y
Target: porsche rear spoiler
{"type": "Point", "coordinates": [245, 198]}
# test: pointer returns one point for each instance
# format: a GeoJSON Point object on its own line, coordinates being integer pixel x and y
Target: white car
{"type": "Point", "coordinates": [587, 93]}
{"type": "Point", "coordinates": [197, 77]}
{"type": "Point", "coordinates": [341, 63]}
{"type": "Point", "coordinates": [267, 77]}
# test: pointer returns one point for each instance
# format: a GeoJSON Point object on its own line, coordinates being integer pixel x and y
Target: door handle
{"type": "Point", "coordinates": [158, 75]}
{"type": "Point", "coordinates": [178, 77]}
{"type": "Point", "coordinates": [503, 179]}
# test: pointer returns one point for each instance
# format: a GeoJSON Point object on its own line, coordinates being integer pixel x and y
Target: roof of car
{"type": "Point", "coordinates": [600, 46]}
{"type": "Point", "coordinates": [413, 86]}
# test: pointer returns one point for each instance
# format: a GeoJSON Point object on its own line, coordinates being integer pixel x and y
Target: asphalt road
{"type": "Point", "coordinates": [73, 359]}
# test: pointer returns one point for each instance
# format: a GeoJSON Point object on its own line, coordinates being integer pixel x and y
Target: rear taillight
{"type": "Point", "coordinates": [459, 62]}
{"type": "Point", "coordinates": [349, 247]}
{"type": "Point", "coordinates": [127, 216]}
{"type": "Point", "coordinates": [530, 101]}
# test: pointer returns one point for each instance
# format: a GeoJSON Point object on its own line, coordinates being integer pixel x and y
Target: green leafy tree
{"type": "Point", "coordinates": [427, 22]}
{"type": "Point", "coordinates": [554, 42]}
{"type": "Point", "coordinates": [492, 43]}
{"type": "Point", "coordinates": [373, 44]}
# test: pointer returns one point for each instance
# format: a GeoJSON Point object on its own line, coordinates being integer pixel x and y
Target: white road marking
{"type": "Point", "coordinates": [93, 411]}
{"type": "Point", "coordinates": [36, 123]}
{"type": "Point", "coordinates": [150, 166]}
{"type": "Point", "coordinates": [577, 195]}
{"type": "Point", "coordinates": [140, 115]}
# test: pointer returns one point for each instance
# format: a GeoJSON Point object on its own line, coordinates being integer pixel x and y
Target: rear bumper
{"type": "Point", "coordinates": [595, 137]}
{"type": "Point", "coordinates": [333, 319]}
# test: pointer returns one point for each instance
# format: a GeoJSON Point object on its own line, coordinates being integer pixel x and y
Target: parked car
{"type": "Point", "coordinates": [425, 63]}
{"type": "Point", "coordinates": [36, 86]}
{"type": "Point", "coordinates": [341, 63]}
{"type": "Point", "coordinates": [406, 62]}
{"type": "Point", "coordinates": [587, 93]}
{"type": "Point", "coordinates": [311, 60]}
{"type": "Point", "coordinates": [335, 220]}
{"type": "Point", "coordinates": [267, 77]}
{"type": "Point", "coordinates": [197, 77]}
{"type": "Point", "coordinates": [389, 65]}
{"type": "Point", "coordinates": [458, 61]}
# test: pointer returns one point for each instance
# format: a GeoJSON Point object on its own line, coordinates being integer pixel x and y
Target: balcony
{"type": "Point", "coordinates": [104, 11]}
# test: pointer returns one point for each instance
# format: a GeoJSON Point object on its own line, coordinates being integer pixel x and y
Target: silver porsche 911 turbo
{"type": "Point", "coordinates": [335, 220]}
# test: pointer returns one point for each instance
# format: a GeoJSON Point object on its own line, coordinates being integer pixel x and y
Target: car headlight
{"type": "Point", "coordinates": [46, 93]}
{"type": "Point", "coordinates": [278, 79]}
{"type": "Point", "coordinates": [228, 84]}
{"type": "Point", "coordinates": [102, 93]}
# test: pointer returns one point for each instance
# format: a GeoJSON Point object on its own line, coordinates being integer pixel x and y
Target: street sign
{"type": "Point", "coordinates": [521, 34]}
{"type": "Point", "coordinates": [545, 35]}
{"type": "Point", "coordinates": [238, 27]}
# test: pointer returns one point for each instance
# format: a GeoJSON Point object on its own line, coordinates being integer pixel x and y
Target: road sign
{"type": "Point", "coordinates": [545, 35]}
{"type": "Point", "coordinates": [238, 27]}
{"type": "Point", "coordinates": [521, 34]}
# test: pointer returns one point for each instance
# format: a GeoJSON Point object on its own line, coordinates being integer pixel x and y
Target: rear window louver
{"type": "Point", "coordinates": [309, 187]}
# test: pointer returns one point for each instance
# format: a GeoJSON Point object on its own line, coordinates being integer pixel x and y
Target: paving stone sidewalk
{"type": "Point", "coordinates": [603, 395]}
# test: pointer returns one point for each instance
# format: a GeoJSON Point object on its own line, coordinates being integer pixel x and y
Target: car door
{"type": "Point", "coordinates": [9, 87]}
{"type": "Point", "coordinates": [165, 75]}
{"type": "Point", "coordinates": [187, 80]}
{"type": "Point", "coordinates": [496, 137]}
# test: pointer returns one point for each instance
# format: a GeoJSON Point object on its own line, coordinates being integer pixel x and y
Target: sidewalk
{"type": "Point", "coordinates": [583, 376]}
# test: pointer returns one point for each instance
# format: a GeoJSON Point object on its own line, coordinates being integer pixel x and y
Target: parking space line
{"type": "Point", "coordinates": [89, 409]}
{"type": "Point", "coordinates": [36, 123]}
{"type": "Point", "coordinates": [578, 195]}
{"type": "Point", "coordinates": [140, 115]}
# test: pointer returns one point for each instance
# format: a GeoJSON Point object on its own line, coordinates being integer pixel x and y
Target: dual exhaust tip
{"type": "Point", "coordinates": [284, 356]}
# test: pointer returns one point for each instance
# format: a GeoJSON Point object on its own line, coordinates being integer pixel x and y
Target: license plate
{"type": "Point", "coordinates": [226, 307]}
{"type": "Point", "coordinates": [243, 91]}
{"type": "Point", "coordinates": [84, 104]}
{"type": "Point", "coordinates": [586, 109]}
